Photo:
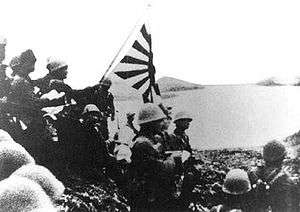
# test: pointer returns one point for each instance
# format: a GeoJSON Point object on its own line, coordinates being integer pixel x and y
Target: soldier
{"type": "Point", "coordinates": [100, 96]}
{"type": "Point", "coordinates": [272, 185]}
{"type": "Point", "coordinates": [151, 174]}
{"type": "Point", "coordinates": [94, 148]}
{"type": "Point", "coordinates": [180, 139]}
{"type": "Point", "coordinates": [236, 189]}
{"type": "Point", "coordinates": [57, 73]}
{"type": "Point", "coordinates": [105, 102]}
{"type": "Point", "coordinates": [21, 101]}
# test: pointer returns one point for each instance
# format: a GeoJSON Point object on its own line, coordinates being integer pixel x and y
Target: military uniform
{"type": "Point", "coordinates": [274, 189]}
{"type": "Point", "coordinates": [273, 186]}
{"type": "Point", "coordinates": [151, 173]}
{"type": "Point", "coordinates": [179, 140]}
{"type": "Point", "coordinates": [103, 99]}
{"type": "Point", "coordinates": [151, 177]}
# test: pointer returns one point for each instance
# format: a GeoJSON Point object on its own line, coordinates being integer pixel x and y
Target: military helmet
{"type": "Point", "coordinates": [150, 112]}
{"type": "Point", "coordinates": [18, 62]}
{"type": "Point", "coordinates": [15, 64]}
{"type": "Point", "coordinates": [90, 108]}
{"type": "Point", "coordinates": [54, 65]}
{"type": "Point", "coordinates": [236, 182]}
{"type": "Point", "coordinates": [182, 115]}
{"type": "Point", "coordinates": [273, 151]}
{"type": "Point", "coordinates": [105, 82]}
{"type": "Point", "coordinates": [27, 57]}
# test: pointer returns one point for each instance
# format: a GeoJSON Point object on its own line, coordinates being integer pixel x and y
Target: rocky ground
{"type": "Point", "coordinates": [211, 168]}
{"type": "Point", "coordinates": [81, 195]}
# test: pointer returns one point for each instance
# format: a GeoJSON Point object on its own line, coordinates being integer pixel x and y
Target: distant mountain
{"type": "Point", "coordinates": [270, 82]}
{"type": "Point", "coordinates": [296, 82]}
{"type": "Point", "coordinates": [170, 84]}
{"type": "Point", "coordinates": [167, 86]}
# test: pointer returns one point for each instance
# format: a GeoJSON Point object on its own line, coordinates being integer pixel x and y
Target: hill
{"type": "Point", "coordinates": [270, 82]}
{"type": "Point", "coordinates": [170, 84]}
{"type": "Point", "coordinates": [167, 85]}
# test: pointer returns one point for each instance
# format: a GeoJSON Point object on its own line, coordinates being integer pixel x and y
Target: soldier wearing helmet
{"type": "Point", "coordinates": [22, 102]}
{"type": "Point", "coordinates": [54, 80]}
{"type": "Point", "coordinates": [151, 173]}
{"type": "Point", "coordinates": [180, 140]}
{"type": "Point", "coordinates": [236, 190]}
{"type": "Point", "coordinates": [104, 100]}
{"type": "Point", "coordinates": [98, 95]}
{"type": "Point", "coordinates": [273, 185]}
{"type": "Point", "coordinates": [86, 150]}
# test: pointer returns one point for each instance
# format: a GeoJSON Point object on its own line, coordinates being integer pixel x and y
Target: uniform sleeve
{"type": "Point", "coordinates": [282, 194]}
{"type": "Point", "coordinates": [188, 146]}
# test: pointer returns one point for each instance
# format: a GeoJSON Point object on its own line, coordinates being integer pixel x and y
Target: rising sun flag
{"type": "Point", "coordinates": [137, 67]}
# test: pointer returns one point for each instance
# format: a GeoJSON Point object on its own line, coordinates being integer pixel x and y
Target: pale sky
{"type": "Point", "coordinates": [206, 42]}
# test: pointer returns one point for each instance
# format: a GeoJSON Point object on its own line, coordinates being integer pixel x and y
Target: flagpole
{"type": "Point", "coordinates": [125, 42]}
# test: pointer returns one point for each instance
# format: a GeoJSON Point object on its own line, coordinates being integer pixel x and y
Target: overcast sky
{"type": "Point", "coordinates": [206, 42]}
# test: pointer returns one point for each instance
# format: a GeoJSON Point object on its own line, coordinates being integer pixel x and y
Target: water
{"type": "Point", "coordinates": [235, 116]}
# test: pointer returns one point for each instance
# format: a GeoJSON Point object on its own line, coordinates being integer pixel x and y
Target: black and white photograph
{"type": "Point", "coordinates": [148, 105]}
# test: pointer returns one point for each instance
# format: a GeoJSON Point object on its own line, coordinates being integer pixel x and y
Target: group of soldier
{"type": "Point", "coordinates": [156, 170]}
{"type": "Point", "coordinates": [153, 172]}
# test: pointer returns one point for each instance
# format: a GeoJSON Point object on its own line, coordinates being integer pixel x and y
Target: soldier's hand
{"type": "Point", "coordinates": [59, 85]}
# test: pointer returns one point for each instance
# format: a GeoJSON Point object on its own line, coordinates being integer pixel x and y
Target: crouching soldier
{"type": "Point", "coordinates": [272, 185]}
{"type": "Point", "coordinates": [236, 189]}
{"type": "Point", "coordinates": [150, 173]}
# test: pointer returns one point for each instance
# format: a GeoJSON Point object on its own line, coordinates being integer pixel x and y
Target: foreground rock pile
{"type": "Point", "coordinates": [82, 195]}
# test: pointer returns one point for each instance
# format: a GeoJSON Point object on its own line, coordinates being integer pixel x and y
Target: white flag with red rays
{"type": "Point", "coordinates": [137, 68]}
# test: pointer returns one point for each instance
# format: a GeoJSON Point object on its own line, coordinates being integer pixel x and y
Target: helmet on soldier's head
{"type": "Point", "coordinates": [90, 108]}
{"type": "Point", "coordinates": [236, 182]}
{"type": "Point", "coordinates": [105, 82]}
{"type": "Point", "coordinates": [26, 59]}
{"type": "Point", "coordinates": [182, 115]}
{"type": "Point", "coordinates": [15, 64]}
{"type": "Point", "coordinates": [55, 65]}
{"type": "Point", "coordinates": [274, 151]}
{"type": "Point", "coordinates": [150, 112]}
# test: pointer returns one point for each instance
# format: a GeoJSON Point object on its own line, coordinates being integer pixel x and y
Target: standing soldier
{"type": "Point", "coordinates": [151, 183]}
{"type": "Point", "coordinates": [273, 185]}
{"type": "Point", "coordinates": [181, 140]}
{"type": "Point", "coordinates": [57, 73]}
{"type": "Point", "coordinates": [21, 100]}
